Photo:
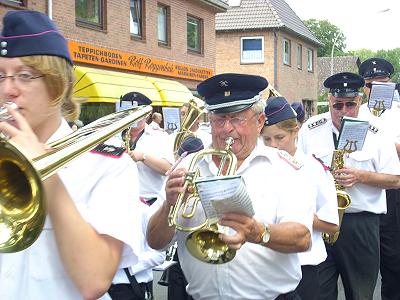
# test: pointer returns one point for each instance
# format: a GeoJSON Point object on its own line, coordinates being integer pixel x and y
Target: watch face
{"type": "Point", "coordinates": [266, 235]}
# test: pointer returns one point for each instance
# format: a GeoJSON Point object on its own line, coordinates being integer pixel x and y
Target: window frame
{"type": "Point", "coordinates": [101, 25]}
{"type": "Point", "coordinates": [23, 3]}
{"type": "Point", "coordinates": [167, 8]}
{"type": "Point", "coordinates": [287, 57]}
{"type": "Point", "coordinates": [252, 61]}
{"type": "Point", "coordinates": [310, 68]}
{"type": "Point", "coordinates": [200, 35]}
{"type": "Point", "coordinates": [300, 56]}
{"type": "Point", "coordinates": [142, 34]}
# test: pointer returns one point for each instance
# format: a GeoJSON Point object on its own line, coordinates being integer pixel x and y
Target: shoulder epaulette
{"type": "Point", "coordinates": [109, 150]}
{"type": "Point", "coordinates": [317, 123]}
{"type": "Point", "coordinates": [326, 168]}
{"type": "Point", "coordinates": [373, 128]}
{"type": "Point", "coordinates": [289, 159]}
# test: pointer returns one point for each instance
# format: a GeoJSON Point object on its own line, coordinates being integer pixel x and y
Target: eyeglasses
{"type": "Point", "coordinates": [340, 105]}
{"type": "Point", "coordinates": [235, 122]}
{"type": "Point", "coordinates": [22, 77]}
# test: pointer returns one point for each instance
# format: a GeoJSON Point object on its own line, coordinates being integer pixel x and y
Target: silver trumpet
{"type": "Point", "coordinates": [4, 115]}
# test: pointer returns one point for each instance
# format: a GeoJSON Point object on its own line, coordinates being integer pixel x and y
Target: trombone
{"type": "Point", "coordinates": [203, 242]}
{"type": "Point", "coordinates": [22, 198]}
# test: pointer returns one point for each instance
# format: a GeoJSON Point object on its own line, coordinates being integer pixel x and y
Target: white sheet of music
{"type": "Point", "coordinates": [352, 134]}
{"type": "Point", "coordinates": [381, 95]}
{"type": "Point", "coordinates": [223, 194]}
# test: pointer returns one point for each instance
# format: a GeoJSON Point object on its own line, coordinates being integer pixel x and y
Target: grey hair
{"type": "Point", "coordinates": [258, 107]}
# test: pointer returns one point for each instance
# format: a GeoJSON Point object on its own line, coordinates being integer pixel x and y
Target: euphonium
{"type": "Point", "coordinates": [343, 198]}
{"type": "Point", "coordinates": [203, 242]}
{"type": "Point", "coordinates": [22, 198]}
{"type": "Point", "coordinates": [195, 110]}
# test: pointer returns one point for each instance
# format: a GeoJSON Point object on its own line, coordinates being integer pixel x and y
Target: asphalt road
{"type": "Point", "coordinates": [160, 292]}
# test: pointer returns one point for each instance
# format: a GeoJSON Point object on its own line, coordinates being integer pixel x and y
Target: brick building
{"type": "Point", "coordinates": [267, 38]}
{"type": "Point", "coordinates": [162, 48]}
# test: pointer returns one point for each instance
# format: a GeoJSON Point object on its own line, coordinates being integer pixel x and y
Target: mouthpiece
{"type": "Point", "coordinates": [4, 115]}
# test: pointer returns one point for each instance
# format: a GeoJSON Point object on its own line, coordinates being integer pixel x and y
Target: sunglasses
{"type": "Point", "coordinates": [339, 105]}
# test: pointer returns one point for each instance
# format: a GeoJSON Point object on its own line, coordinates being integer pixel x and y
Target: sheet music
{"type": "Point", "coordinates": [352, 134]}
{"type": "Point", "coordinates": [381, 95]}
{"type": "Point", "coordinates": [223, 194]}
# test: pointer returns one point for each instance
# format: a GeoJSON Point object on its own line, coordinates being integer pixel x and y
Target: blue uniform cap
{"type": "Point", "coordinates": [190, 145]}
{"type": "Point", "coordinates": [344, 84]}
{"type": "Point", "coordinates": [229, 92]}
{"type": "Point", "coordinates": [278, 110]}
{"type": "Point", "coordinates": [136, 97]}
{"type": "Point", "coordinates": [27, 33]}
{"type": "Point", "coordinates": [299, 109]}
{"type": "Point", "coordinates": [375, 67]}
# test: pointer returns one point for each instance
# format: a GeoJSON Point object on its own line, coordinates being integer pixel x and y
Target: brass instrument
{"type": "Point", "coordinates": [195, 110]}
{"type": "Point", "coordinates": [343, 198]}
{"type": "Point", "coordinates": [22, 198]}
{"type": "Point", "coordinates": [272, 92]}
{"type": "Point", "coordinates": [4, 115]}
{"type": "Point", "coordinates": [203, 242]}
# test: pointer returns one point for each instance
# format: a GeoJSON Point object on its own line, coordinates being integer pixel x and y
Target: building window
{"type": "Point", "coordinates": [163, 23]}
{"type": "Point", "coordinates": [194, 34]}
{"type": "Point", "coordinates": [252, 50]}
{"type": "Point", "coordinates": [90, 12]}
{"type": "Point", "coordinates": [14, 2]}
{"type": "Point", "coordinates": [136, 18]}
{"type": "Point", "coordinates": [286, 52]}
{"type": "Point", "coordinates": [310, 58]}
{"type": "Point", "coordinates": [299, 56]}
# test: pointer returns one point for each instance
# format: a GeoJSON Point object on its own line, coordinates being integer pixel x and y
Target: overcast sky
{"type": "Point", "coordinates": [370, 24]}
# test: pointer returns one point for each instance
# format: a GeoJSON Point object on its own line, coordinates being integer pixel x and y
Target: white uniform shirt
{"type": "Point", "coordinates": [388, 123]}
{"type": "Point", "coordinates": [256, 272]}
{"type": "Point", "coordinates": [154, 143]}
{"type": "Point", "coordinates": [322, 186]}
{"type": "Point", "coordinates": [378, 155]}
{"type": "Point", "coordinates": [103, 192]}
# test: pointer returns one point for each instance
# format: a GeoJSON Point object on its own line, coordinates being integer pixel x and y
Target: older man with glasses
{"type": "Point", "coordinates": [380, 70]}
{"type": "Point", "coordinates": [355, 255]}
{"type": "Point", "coordinates": [266, 265]}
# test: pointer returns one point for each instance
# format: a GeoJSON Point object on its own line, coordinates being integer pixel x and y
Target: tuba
{"type": "Point", "coordinates": [203, 242]}
{"type": "Point", "coordinates": [343, 198]}
{"type": "Point", "coordinates": [195, 110]}
{"type": "Point", "coordinates": [22, 198]}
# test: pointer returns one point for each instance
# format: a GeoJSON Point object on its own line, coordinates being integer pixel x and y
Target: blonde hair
{"type": "Point", "coordinates": [59, 80]}
{"type": "Point", "coordinates": [289, 125]}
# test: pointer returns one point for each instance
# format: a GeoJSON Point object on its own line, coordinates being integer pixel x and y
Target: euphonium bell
{"type": "Point", "coordinates": [343, 198]}
{"type": "Point", "coordinates": [203, 242]}
{"type": "Point", "coordinates": [22, 198]}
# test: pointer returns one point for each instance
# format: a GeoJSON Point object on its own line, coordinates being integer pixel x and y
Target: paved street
{"type": "Point", "coordinates": [160, 292]}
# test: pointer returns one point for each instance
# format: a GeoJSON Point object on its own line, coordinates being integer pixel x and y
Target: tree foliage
{"type": "Point", "coordinates": [327, 33]}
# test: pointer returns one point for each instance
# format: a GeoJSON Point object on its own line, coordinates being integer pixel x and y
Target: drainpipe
{"type": "Point", "coordinates": [275, 61]}
{"type": "Point", "coordinates": [50, 9]}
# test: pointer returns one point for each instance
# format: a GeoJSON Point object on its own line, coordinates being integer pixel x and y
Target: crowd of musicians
{"type": "Point", "coordinates": [112, 213]}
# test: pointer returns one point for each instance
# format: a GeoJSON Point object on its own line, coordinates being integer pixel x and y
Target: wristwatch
{"type": "Point", "coordinates": [265, 235]}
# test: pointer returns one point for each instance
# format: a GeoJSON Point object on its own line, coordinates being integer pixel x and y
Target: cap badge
{"type": "Point", "coordinates": [223, 83]}
{"type": "Point", "coordinates": [227, 93]}
{"type": "Point", "coordinates": [344, 84]}
{"type": "Point", "coordinates": [374, 62]}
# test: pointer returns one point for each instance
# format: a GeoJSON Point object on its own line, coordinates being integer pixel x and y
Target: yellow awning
{"type": "Point", "coordinates": [95, 85]}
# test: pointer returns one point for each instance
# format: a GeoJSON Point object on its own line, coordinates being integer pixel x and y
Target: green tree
{"type": "Point", "coordinates": [327, 33]}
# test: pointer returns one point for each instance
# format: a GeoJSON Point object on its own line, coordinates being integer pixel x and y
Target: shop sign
{"type": "Point", "coordinates": [89, 54]}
